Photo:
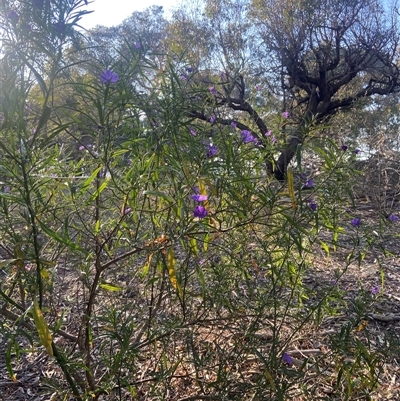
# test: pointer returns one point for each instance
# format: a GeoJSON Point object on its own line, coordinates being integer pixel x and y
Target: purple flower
{"type": "Point", "coordinates": [7, 190]}
{"type": "Point", "coordinates": [212, 119]}
{"type": "Point", "coordinates": [212, 90]}
{"type": "Point", "coordinates": [212, 150]}
{"type": "Point", "coordinates": [258, 87]}
{"type": "Point", "coordinates": [233, 124]}
{"type": "Point", "coordinates": [129, 163]}
{"type": "Point", "coordinates": [309, 183]}
{"type": "Point", "coordinates": [109, 76]}
{"type": "Point", "coordinates": [200, 211]}
{"type": "Point", "coordinates": [313, 205]}
{"type": "Point", "coordinates": [287, 358]}
{"type": "Point", "coordinates": [81, 147]}
{"type": "Point", "coordinates": [344, 148]}
{"type": "Point", "coordinates": [127, 210]}
{"type": "Point", "coordinates": [189, 70]}
{"type": "Point", "coordinates": [356, 151]}
{"type": "Point", "coordinates": [273, 140]}
{"type": "Point", "coordinates": [183, 77]}
{"type": "Point", "coordinates": [192, 132]}
{"type": "Point", "coordinates": [393, 217]}
{"type": "Point", "coordinates": [285, 114]}
{"type": "Point", "coordinates": [196, 189]}
{"type": "Point", "coordinates": [268, 133]}
{"type": "Point", "coordinates": [199, 197]}
{"type": "Point", "coordinates": [375, 290]}
{"type": "Point", "coordinates": [355, 222]}
{"type": "Point", "coordinates": [248, 137]}
{"type": "Point", "coordinates": [13, 17]}
{"type": "Point", "coordinates": [138, 45]}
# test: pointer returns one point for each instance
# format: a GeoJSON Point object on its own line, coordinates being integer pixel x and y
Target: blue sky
{"type": "Point", "coordinates": [113, 12]}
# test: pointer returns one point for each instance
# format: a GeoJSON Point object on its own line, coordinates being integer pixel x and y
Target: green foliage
{"type": "Point", "coordinates": [148, 249]}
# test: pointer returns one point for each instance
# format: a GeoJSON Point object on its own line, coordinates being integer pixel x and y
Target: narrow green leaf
{"type": "Point", "coordinates": [8, 362]}
{"type": "Point", "coordinates": [59, 238]}
{"type": "Point", "coordinates": [41, 83]}
{"type": "Point", "coordinates": [46, 112]}
{"type": "Point", "coordinates": [89, 180]}
{"type": "Point", "coordinates": [206, 242]}
{"type": "Point", "coordinates": [102, 187]}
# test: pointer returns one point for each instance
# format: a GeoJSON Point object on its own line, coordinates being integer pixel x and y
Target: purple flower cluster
{"type": "Point", "coordinates": [199, 197]}
{"type": "Point", "coordinates": [109, 77]}
{"type": "Point", "coordinates": [212, 150]}
{"type": "Point", "coordinates": [272, 138]}
{"type": "Point", "coordinates": [248, 137]}
{"type": "Point", "coordinates": [287, 358]}
{"type": "Point", "coordinates": [344, 147]}
{"type": "Point", "coordinates": [312, 204]}
{"type": "Point", "coordinates": [309, 183]}
{"type": "Point", "coordinates": [199, 211]}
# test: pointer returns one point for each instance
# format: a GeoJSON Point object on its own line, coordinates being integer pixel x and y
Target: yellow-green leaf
{"type": "Point", "coordinates": [110, 287]}
{"type": "Point", "coordinates": [326, 247]}
{"type": "Point", "coordinates": [193, 246]}
{"type": "Point", "coordinates": [42, 328]}
{"type": "Point", "coordinates": [290, 182]}
{"type": "Point", "coordinates": [172, 272]}
{"type": "Point", "coordinates": [146, 266]}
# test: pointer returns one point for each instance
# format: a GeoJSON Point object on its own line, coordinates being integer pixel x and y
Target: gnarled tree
{"type": "Point", "coordinates": [319, 57]}
{"type": "Point", "coordinates": [332, 53]}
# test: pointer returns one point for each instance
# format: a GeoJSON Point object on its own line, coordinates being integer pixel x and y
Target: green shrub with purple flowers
{"type": "Point", "coordinates": [145, 250]}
